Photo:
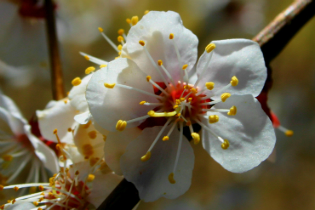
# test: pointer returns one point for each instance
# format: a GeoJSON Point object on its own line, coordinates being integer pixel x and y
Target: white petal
{"type": "Point", "coordinates": [249, 132]}
{"type": "Point", "coordinates": [154, 28]}
{"type": "Point", "coordinates": [151, 177]}
{"type": "Point", "coordinates": [60, 117]}
{"type": "Point", "coordinates": [46, 155]}
{"type": "Point", "coordinates": [8, 104]}
{"type": "Point", "coordinates": [77, 95]}
{"type": "Point", "coordinates": [115, 146]}
{"type": "Point", "coordinates": [21, 206]}
{"type": "Point", "coordinates": [234, 57]}
{"type": "Point", "coordinates": [107, 106]}
{"type": "Point", "coordinates": [102, 186]}
{"type": "Point", "coordinates": [83, 118]}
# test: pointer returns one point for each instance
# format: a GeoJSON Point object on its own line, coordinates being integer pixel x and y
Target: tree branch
{"type": "Point", "coordinates": [55, 63]}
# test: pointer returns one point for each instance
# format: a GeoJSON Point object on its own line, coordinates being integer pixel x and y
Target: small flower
{"type": "Point", "coordinates": [21, 152]}
{"type": "Point", "coordinates": [155, 86]}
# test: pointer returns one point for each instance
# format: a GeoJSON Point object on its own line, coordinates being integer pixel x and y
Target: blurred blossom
{"type": "Point", "coordinates": [21, 152]}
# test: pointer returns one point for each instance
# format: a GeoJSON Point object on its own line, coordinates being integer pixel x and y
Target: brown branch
{"type": "Point", "coordinates": [55, 63]}
{"type": "Point", "coordinates": [274, 37]}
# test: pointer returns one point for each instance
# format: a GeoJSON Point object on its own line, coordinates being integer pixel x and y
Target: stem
{"type": "Point", "coordinates": [55, 63]}
{"type": "Point", "coordinates": [274, 37]}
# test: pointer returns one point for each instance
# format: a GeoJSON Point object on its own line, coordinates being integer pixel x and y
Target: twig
{"type": "Point", "coordinates": [55, 63]}
{"type": "Point", "coordinates": [274, 37]}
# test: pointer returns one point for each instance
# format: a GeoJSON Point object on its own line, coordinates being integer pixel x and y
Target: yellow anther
{"type": "Point", "coordinates": [128, 20]}
{"type": "Point", "coordinates": [225, 144]}
{"type": "Point", "coordinates": [9, 201]}
{"type": "Point", "coordinates": [175, 107]}
{"type": "Point", "coordinates": [233, 111]}
{"type": "Point", "coordinates": [92, 134]}
{"type": "Point", "coordinates": [178, 115]}
{"type": "Point", "coordinates": [13, 201]}
{"type": "Point", "coordinates": [77, 173]}
{"type": "Point", "coordinates": [171, 36]}
{"type": "Point", "coordinates": [189, 99]}
{"type": "Point", "coordinates": [166, 138]}
{"type": "Point", "coordinates": [171, 178]}
{"type": "Point", "coordinates": [90, 178]}
{"type": "Point", "coordinates": [160, 62]}
{"type": "Point", "coordinates": [146, 12]}
{"type": "Point", "coordinates": [196, 137]}
{"type": "Point", "coordinates": [69, 129]}
{"type": "Point", "coordinates": [104, 138]}
{"type": "Point", "coordinates": [120, 38]}
{"type": "Point", "coordinates": [289, 133]}
{"type": "Point", "coordinates": [119, 47]}
{"type": "Point", "coordinates": [141, 42]}
{"type": "Point", "coordinates": [213, 118]}
{"type": "Point", "coordinates": [87, 150]}
{"type": "Point", "coordinates": [142, 102]}
{"type": "Point", "coordinates": [35, 203]}
{"type": "Point", "coordinates": [100, 29]}
{"type": "Point", "coordinates": [148, 78]}
{"type": "Point", "coordinates": [7, 157]}
{"type": "Point", "coordinates": [87, 57]}
{"type": "Point", "coordinates": [194, 90]}
{"type": "Point", "coordinates": [121, 32]}
{"type": "Point", "coordinates": [210, 47]}
{"type": "Point", "coordinates": [121, 125]}
{"type": "Point", "coordinates": [146, 157]}
{"type": "Point", "coordinates": [152, 113]}
{"type": "Point", "coordinates": [234, 81]}
{"type": "Point", "coordinates": [55, 131]}
{"type": "Point", "coordinates": [65, 101]}
{"type": "Point", "coordinates": [225, 96]}
{"type": "Point", "coordinates": [41, 187]}
{"type": "Point", "coordinates": [103, 65]}
{"type": "Point", "coordinates": [182, 99]}
{"type": "Point", "coordinates": [209, 85]}
{"type": "Point", "coordinates": [76, 81]}
{"type": "Point", "coordinates": [89, 70]}
{"type": "Point", "coordinates": [108, 85]}
{"type": "Point", "coordinates": [177, 101]}
{"type": "Point", "coordinates": [16, 188]}
{"type": "Point", "coordinates": [134, 20]}
{"type": "Point", "coordinates": [39, 208]}
{"type": "Point", "coordinates": [185, 66]}
{"type": "Point", "coordinates": [188, 123]}
{"type": "Point", "coordinates": [119, 53]}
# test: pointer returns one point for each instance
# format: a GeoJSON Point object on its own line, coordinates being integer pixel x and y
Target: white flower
{"type": "Point", "coordinates": [218, 94]}
{"type": "Point", "coordinates": [73, 121]}
{"type": "Point", "coordinates": [21, 152]}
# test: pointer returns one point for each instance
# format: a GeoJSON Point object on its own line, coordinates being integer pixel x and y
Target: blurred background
{"type": "Point", "coordinates": [288, 182]}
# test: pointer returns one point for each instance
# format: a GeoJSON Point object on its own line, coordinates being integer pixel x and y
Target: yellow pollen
{"type": "Point", "coordinates": [92, 134]}
{"type": "Point", "coordinates": [121, 125]}
{"type": "Point", "coordinates": [146, 12]}
{"type": "Point", "coordinates": [177, 101]}
{"type": "Point", "coordinates": [7, 157]}
{"type": "Point", "coordinates": [171, 178]}
{"type": "Point", "coordinates": [233, 111]}
{"type": "Point", "coordinates": [108, 85]}
{"type": "Point", "coordinates": [89, 70]}
{"type": "Point", "coordinates": [175, 107]}
{"type": "Point", "coordinates": [121, 32]}
{"type": "Point", "coordinates": [171, 36]}
{"type": "Point", "coordinates": [87, 125]}
{"type": "Point", "coordinates": [16, 188]}
{"type": "Point", "coordinates": [39, 208]}
{"type": "Point", "coordinates": [90, 178]}
{"type": "Point", "coordinates": [146, 157]}
{"type": "Point", "coordinates": [87, 57]}
{"type": "Point", "coordinates": [225, 96]}
{"type": "Point", "coordinates": [189, 99]}
{"type": "Point", "coordinates": [210, 47]}
{"type": "Point", "coordinates": [9, 201]}
{"type": "Point", "coordinates": [142, 102]}
{"type": "Point", "coordinates": [35, 203]}
{"type": "Point", "coordinates": [160, 62]}
{"type": "Point", "coordinates": [104, 138]}
{"type": "Point", "coordinates": [209, 85]}
{"type": "Point", "coordinates": [185, 66]}
{"type": "Point", "coordinates": [119, 47]}
{"type": "Point", "coordinates": [148, 78]}
{"type": "Point", "coordinates": [128, 20]}
{"type": "Point", "coordinates": [103, 65]}
{"type": "Point", "coordinates": [76, 81]}
{"type": "Point", "coordinates": [188, 123]}
{"type": "Point", "coordinates": [65, 101]}
{"type": "Point", "coordinates": [134, 20]}
{"type": "Point", "coordinates": [152, 113]}
{"type": "Point", "coordinates": [41, 187]}
{"type": "Point", "coordinates": [234, 81]}
{"type": "Point", "coordinates": [289, 133]}
{"type": "Point", "coordinates": [166, 138]}
{"type": "Point", "coordinates": [196, 137]}
{"type": "Point", "coordinates": [178, 115]}
{"type": "Point", "coordinates": [225, 144]}
{"type": "Point", "coordinates": [87, 150]}
{"type": "Point", "coordinates": [193, 90]}
{"type": "Point", "coordinates": [119, 53]}
{"type": "Point", "coordinates": [182, 99]}
{"type": "Point", "coordinates": [141, 42]}
{"type": "Point", "coordinates": [69, 129]}
{"type": "Point", "coordinates": [100, 29]}
{"type": "Point", "coordinates": [213, 118]}
{"type": "Point", "coordinates": [55, 131]}
{"type": "Point", "coordinates": [120, 38]}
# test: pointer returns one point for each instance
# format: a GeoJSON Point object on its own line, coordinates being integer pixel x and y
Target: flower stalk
{"type": "Point", "coordinates": [55, 62]}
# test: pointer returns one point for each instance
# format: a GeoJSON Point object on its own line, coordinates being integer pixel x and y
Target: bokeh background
{"type": "Point", "coordinates": [287, 182]}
